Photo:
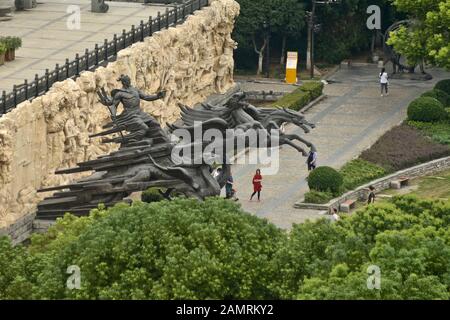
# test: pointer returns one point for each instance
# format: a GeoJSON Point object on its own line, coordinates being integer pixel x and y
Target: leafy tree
{"type": "Point", "coordinates": [428, 38]}
{"type": "Point", "coordinates": [163, 251]}
{"type": "Point", "coordinates": [187, 249]}
{"type": "Point", "coordinates": [259, 19]}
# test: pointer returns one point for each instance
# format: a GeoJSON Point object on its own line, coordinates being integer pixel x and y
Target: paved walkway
{"type": "Point", "coordinates": [349, 120]}
{"type": "Point", "coordinates": [46, 39]}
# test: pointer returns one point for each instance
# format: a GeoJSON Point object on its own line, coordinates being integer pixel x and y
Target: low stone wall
{"type": "Point", "coordinates": [190, 61]}
{"type": "Point", "coordinates": [264, 95]}
{"type": "Point", "coordinates": [20, 230]}
{"type": "Point", "coordinates": [380, 184]}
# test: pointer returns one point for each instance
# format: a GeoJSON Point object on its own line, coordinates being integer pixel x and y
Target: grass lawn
{"type": "Point", "coordinates": [436, 186]}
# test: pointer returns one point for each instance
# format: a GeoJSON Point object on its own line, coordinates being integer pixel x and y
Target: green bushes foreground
{"type": "Point", "coordinates": [301, 96]}
{"type": "Point", "coordinates": [187, 249]}
{"type": "Point", "coordinates": [426, 109]}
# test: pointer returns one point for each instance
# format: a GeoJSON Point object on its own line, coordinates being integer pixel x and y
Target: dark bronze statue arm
{"type": "Point", "coordinates": [152, 97]}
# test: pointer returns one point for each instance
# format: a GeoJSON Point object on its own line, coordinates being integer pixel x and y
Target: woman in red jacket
{"type": "Point", "coordinates": [257, 178]}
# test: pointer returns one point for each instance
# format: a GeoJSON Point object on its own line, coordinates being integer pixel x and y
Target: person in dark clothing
{"type": "Point", "coordinates": [312, 160]}
{"type": "Point", "coordinates": [371, 198]}
{"type": "Point", "coordinates": [230, 192]}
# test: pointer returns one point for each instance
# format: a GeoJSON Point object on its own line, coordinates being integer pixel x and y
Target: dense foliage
{"type": "Point", "coordinates": [437, 131]}
{"type": "Point", "coordinates": [426, 109]}
{"type": "Point", "coordinates": [294, 100]}
{"type": "Point", "coordinates": [152, 195]}
{"type": "Point", "coordinates": [429, 37]}
{"type": "Point", "coordinates": [325, 179]}
{"type": "Point", "coordinates": [301, 96]}
{"type": "Point", "coordinates": [443, 85]}
{"type": "Point", "coordinates": [314, 88]}
{"type": "Point", "coordinates": [358, 172]}
{"type": "Point", "coordinates": [213, 250]}
{"type": "Point", "coordinates": [167, 250]}
{"type": "Point", "coordinates": [341, 29]}
{"type": "Point", "coordinates": [260, 19]}
{"type": "Point", "coordinates": [320, 197]}
{"type": "Point", "coordinates": [439, 95]}
{"type": "Point", "coordinates": [407, 239]}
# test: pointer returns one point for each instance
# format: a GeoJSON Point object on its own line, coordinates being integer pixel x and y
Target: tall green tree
{"type": "Point", "coordinates": [259, 19]}
{"type": "Point", "coordinates": [428, 37]}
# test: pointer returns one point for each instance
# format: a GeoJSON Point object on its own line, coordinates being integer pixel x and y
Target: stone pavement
{"type": "Point", "coordinates": [46, 40]}
{"type": "Point", "coordinates": [349, 120]}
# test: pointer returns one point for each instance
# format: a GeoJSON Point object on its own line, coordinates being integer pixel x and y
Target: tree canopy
{"type": "Point", "coordinates": [186, 249]}
{"type": "Point", "coordinates": [428, 37]}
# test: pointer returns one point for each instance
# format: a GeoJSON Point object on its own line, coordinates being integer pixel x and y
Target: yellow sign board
{"type": "Point", "coordinates": [291, 67]}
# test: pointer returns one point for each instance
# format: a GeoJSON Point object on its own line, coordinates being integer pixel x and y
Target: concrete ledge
{"type": "Point", "coordinates": [24, 227]}
{"type": "Point", "coordinates": [380, 184]}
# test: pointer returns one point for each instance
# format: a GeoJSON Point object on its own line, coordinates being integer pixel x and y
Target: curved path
{"type": "Point", "coordinates": [349, 120]}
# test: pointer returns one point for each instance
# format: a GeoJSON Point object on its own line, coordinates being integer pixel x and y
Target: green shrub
{"type": "Point", "coordinates": [188, 249]}
{"type": "Point", "coordinates": [294, 100]}
{"type": "Point", "coordinates": [2, 48]}
{"type": "Point", "coordinates": [443, 85]}
{"type": "Point", "coordinates": [358, 172]}
{"type": "Point", "coordinates": [11, 42]}
{"type": "Point", "coordinates": [439, 95]}
{"type": "Point", "coordinates": [314, 88]}
{"type": "Point", "coordinates": [437, 131]}
{"type": "Point", "coordinates": [426, 109]}
{"type": "Point", "coordinates": [319, 197]}
{"type": "Point", "coordinates": [182, 249]}
{"type": "Point", "coordinates": [325, 179]}
{"type": "Point", "coordinates": [152, 195]}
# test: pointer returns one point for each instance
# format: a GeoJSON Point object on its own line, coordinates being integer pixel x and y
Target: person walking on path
{"type": "Point", "coordinates": [371, 198]}
{"type": "Point", "coordinates": [257, 186]}
{"type": "Point", "coordinates": [230, 192]}
{"type": "Point", "coordinates": [311, 161]}
{"type": "Point", "coordinates": [384, 82]}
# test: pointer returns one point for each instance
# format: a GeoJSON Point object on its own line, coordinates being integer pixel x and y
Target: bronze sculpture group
{"type": "Point", "coordinates": [145, 157]}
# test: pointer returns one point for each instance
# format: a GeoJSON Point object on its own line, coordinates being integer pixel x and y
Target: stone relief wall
{"type": "Point", "coordinates": [190, 61]}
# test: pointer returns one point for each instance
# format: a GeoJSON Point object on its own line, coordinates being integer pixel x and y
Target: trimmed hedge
{"type": "Point", "coordinates": [151, 195]}
{"type": "Point", "coordinates": [314, 88]}
{"type": "Point", "coordinates": [358, 171]}
{"type": "Point", "coordinates": [325, 179]}
{"type": "Point", "coordinates": [318, 197]}
{"type": "Point", "coordinates": [439, 95]}
{"type": "Point", "coordinates": [443, 85]}
{"type": "Point", "coordinates": [294, 100]}
{"type": "Point", "coordinates": [300, 97]}
{"type": "Point", "coordinates": [426, 109]}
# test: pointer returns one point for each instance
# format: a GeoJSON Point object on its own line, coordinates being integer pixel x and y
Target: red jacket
{"type": "Point", "coordinates": [257, 183]}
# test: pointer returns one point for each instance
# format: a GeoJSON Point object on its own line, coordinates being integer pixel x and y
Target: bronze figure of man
{"type": "Point", "coordinates": [132, 119]}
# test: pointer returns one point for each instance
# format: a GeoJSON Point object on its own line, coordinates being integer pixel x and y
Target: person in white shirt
{"type": "Point", "coordinates": [384, 81]}
{"type": "Point", "coordinates": [334, 215]}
